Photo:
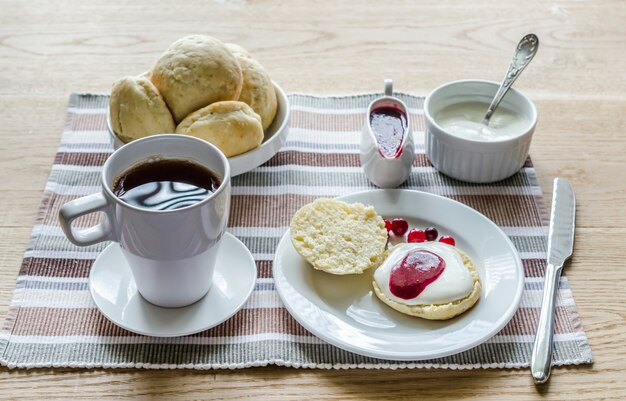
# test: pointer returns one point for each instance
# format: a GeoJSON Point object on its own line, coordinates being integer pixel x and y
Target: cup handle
{"type": "Point", "coordinates": [388, 87]}
{"type": "Point", "coordinates": [79, 207]}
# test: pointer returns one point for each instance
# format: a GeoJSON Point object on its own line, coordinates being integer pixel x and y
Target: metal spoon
{"type": "Point", "coordinates": [525, 51]}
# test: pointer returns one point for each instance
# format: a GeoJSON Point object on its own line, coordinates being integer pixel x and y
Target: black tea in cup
{"type": "Point", "coordinates": [165, 184]}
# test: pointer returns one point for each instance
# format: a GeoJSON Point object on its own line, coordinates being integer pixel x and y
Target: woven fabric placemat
{"type": "Point", "coordinates": [53, 322]}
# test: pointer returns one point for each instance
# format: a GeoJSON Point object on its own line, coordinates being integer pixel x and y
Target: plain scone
{"type": "Point", "coordinates": [337, 237]}
{"type": "Point", "coordinates": [194, 72]}
{"type": "Point", "coordinates": [438, 311]}
{"type": "Point", "coordinates": [137, 110]}
{"type": "Point", "coordinates": [238, 51]}
{"type": "Point", "coordinates": [231, 126]}
{"type": "Point", "coordinates": [258, 90]}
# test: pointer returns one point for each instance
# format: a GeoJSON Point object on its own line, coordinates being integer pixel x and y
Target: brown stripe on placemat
{"type": "Point", "coordinates": [42, 321]}
{"type": "Point", "coordinates": [257, 321]}
{"type": "Point", "coordinates": [56, 267]}
{"type": "Point", "coordinates": [90, 322]}
{"type": "Point", "coordinates": [313, 159]}
{"type": "Point", "coordinates": [293, 157]}
{"type": "Point", "coordinates": [81, 158]}
{"type": "Point", "coordinates": [269, 210]}
{"type": "Point", "coordinates": [421, 160]}
{"type": "Point", "coordinates": [524, 322]}
{"type": "Point", "coordinates": [264, 268]}
{"type": "Point", "coordinates": [79, 268]}
{"type": "Point", "coordinates": [276, 210]}
{"type": "Point", "coordinates": [528, 163]}
{"type": "Point", "coordinates": [534, 267]}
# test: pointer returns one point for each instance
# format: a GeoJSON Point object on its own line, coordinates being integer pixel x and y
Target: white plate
{"type": "Point", "coordinates": [275, 138]}
{"type": "Point", "coordinates": [114, 291]}
{"type": "Point", "coordinates": [344, 311]}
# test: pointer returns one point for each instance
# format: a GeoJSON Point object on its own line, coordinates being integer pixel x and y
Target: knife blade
{"type": "Point", "coordinates": [560, 248]}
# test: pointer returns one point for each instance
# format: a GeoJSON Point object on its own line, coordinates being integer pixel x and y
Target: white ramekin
{"type": "Point", "coordinates": [471, 160]}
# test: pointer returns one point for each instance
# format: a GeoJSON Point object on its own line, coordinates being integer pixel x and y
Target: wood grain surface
{"type": "Point", "coordinates": [51, 48]}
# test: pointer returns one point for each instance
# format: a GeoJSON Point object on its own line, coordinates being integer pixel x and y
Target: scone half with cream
{"type": "Point", "coordinates": [339, 237]}
{"type": "Point", "coordinates": [430, 280]}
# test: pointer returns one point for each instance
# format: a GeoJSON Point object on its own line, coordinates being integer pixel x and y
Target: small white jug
{"type": "Point", "coordinates": [382, 168]}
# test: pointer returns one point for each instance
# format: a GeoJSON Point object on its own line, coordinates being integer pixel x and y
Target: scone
{"type": "Point", "coordinates": [194, 72]}
{"type": "Point", "coordinates": [338, 237]}
{"type": "Point", "coordinates": [231, 126]}
{"type": "Point", "coordinates": [238, 51]}
{"type": "Point", "coordinates": [137, 110]}
{"type": "Point", "coordinates": [440, 295]}
{"type": "Point", "coordinates": [258, 90]}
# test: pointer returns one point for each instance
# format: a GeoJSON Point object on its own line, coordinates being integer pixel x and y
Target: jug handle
{"type": "Point", "coordinates": [388, 87]}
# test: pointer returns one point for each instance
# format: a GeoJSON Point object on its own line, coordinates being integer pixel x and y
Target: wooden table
{"type": "Point", "coordinates": [49, 49]}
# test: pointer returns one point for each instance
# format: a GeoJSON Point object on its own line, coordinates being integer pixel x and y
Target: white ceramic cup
{"type": "Point", "coordinates": [171, 253]}
{"type": "Point", "coordinates": [384, 171]}
{"type": "Point", "coordinates": [473, 160]}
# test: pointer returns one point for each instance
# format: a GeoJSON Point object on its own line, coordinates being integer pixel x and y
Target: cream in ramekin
{"type": "Point", "coordinates": [468, 158]}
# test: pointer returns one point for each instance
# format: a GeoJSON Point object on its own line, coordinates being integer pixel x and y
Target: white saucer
{"type": "Point", "coordinates": [343, 310]}
{"type": "Point", "coordinates": [114, 291]}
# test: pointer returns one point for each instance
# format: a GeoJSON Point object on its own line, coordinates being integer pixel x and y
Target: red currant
{"type": "Point", "coordinates": [399, 226]}
{"type": "Point", "coordinates": [416, 235]}
{"type": "Point", "coordinates": [446, 239]}
{"type": "Point", "coordinates": [387, 225]}
{"type": "Point", "coordinates": [431, 234]}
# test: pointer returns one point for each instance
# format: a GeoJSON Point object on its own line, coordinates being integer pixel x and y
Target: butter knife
{"type": "Point", "coordinates": [560, 248]}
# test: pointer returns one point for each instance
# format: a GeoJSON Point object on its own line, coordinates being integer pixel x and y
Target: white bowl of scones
{"type": "Point", "coordinates": [208, 89]}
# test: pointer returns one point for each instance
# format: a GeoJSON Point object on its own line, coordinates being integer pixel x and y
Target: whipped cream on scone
{"type": "Point", "coordinates": [455, 282]}
{"type": "Point", "coordinates": [430, 280]}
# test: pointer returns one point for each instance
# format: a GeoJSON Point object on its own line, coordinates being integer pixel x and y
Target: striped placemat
{"type": "Point", "coordinates": [52, 321]}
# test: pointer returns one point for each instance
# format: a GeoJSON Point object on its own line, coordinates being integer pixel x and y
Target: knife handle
{"type": "Point", "coordinates": [542, 351]}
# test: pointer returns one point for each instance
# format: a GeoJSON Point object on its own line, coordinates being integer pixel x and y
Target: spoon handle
{"type": "Point", "coordinates": [524, 53]}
